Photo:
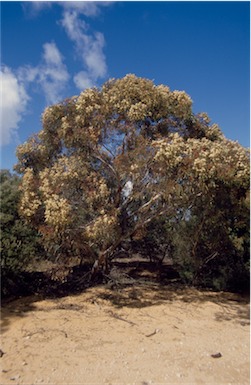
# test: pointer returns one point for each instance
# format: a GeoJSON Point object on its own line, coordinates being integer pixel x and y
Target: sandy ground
{"type": "Point", "coordinates": [138, 335]}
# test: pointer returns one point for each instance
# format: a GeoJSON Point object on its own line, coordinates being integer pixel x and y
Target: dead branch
{"type": "Point", "coordinates": [120, 318]}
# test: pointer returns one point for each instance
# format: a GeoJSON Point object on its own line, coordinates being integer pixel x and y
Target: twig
{"type": "Point", "coordinates": [120, 318]}
{"type": "Point", "coordinates": [42, 330]}
{"type": "Point", "coordinates": [152, 334]}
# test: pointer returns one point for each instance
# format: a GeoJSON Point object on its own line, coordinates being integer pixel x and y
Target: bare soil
{"type": "Point", "coordinates": [139, 334]}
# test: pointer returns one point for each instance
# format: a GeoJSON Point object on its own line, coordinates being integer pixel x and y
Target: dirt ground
{"type": "Point", "coordinates": [137, 335]}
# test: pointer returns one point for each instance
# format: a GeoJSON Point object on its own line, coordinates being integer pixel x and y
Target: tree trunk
{"type": "Point", "coordinates": [101, 262]}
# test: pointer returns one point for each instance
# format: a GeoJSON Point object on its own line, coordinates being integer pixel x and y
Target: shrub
{"type": "Point", "coordinates": [19, 241]}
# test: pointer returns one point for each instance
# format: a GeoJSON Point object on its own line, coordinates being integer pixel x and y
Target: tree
{"type": "Point", "coordinates": [212, 247]}
{"type": "Point", "coordinates": [19, 241]}
{"type": "Point", "coordinates": [111, 161]}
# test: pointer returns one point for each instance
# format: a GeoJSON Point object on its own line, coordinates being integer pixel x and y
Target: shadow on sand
{"type": "Point", "coordinates": [133, 284]}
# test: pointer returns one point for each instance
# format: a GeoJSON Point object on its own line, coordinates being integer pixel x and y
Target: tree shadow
{"type": "Point", "coordinates": [14, 309]}
{"type": "Point", "coordinates": [142, 284]}
{"type": "Point", "coordinates": [230, 306]}
{"type": "Point", "coordinates": [27, 288]}
{"type": "Point", "coordinates": [132, 284]}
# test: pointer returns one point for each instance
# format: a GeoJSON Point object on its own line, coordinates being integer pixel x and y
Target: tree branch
{"type": "Point", "coordinates": [102, 260]}
{"type": "Point", "coordinates": [107, 164]}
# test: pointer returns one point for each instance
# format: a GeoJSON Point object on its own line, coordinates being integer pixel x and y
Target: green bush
{"type": "Point", "coordinates": [19, 242]}
{"type": "Point", "coordinates": [211, 248]}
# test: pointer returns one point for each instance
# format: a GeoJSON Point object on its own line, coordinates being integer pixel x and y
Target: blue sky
{"type": "Point", "coordinates": [53, 50]}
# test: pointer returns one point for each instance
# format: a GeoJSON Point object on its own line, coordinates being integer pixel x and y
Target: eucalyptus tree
{"type": "Point", "coordinates": [109, 162]}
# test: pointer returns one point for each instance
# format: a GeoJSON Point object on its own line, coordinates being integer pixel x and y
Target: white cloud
{"type": "Point", "coordinates": [87, 8]}
{"type": "Point", "coordinates": [33, 8]}
{"type": "Point", "coordinates": [94, 57]}
{"type": "Point", "coordinates": [13, 105]}
{"type": "Point", "coordinates": [27, 74]}
{"type": "Point", "coordinates": [74, 26]}
{"type": "Point", "coordinates": [51, 74]}
{"type": "Point", "coordinates": [88, 46]}
{"type": "Point", "coordinates": [51, 54]}
{"type": "Point", "coordinates": [82, 80]}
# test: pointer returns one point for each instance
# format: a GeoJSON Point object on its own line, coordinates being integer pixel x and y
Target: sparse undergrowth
{"type": "Point", "coordinates": [51, 280]}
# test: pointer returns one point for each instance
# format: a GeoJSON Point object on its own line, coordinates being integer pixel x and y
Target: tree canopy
{"type": "Point", "coordinates": [113, 161]}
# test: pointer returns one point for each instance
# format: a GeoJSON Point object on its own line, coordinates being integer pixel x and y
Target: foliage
{"type": "Point", "coordinates": [19, 242]}
{"type": "Point", "coordinates": [112, 161]}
